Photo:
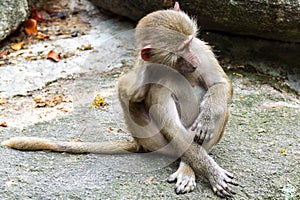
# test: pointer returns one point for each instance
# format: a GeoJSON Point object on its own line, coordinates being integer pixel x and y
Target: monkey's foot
{"type": "Point", "coordinates": [185, 176]}
{"type": "Point", "coordinates": [220, 183]}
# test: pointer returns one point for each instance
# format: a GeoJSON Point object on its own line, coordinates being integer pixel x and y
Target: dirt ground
{"type": "Point", "coordinates": [39, 97]}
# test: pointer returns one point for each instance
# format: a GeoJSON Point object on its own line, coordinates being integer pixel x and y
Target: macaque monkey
{"type": "Point", "coordinates": [175, 101]}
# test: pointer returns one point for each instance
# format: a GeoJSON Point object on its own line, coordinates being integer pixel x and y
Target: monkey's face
{"type": "Point", "coordinates": [184, 66]}
{"type": "Point", "coordinates": [187, 59]}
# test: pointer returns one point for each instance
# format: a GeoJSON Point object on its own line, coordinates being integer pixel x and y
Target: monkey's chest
{"type": "Point", "coordinates": [188, 106]}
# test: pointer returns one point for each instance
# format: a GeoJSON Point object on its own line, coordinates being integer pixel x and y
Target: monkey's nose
{"type": "Point", "coordinates": [195, 61]}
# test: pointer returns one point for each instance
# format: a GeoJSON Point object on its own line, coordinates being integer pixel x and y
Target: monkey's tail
{"type": "Point", "coordinates": [37, 144]}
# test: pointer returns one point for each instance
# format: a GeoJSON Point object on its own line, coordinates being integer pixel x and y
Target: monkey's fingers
{"type": "Point", "coordinates": [201, 134]}
{"type": "Point", "coordinates": [229, 178]}
{"type": "Point", "coordinates": [196, 122]}
{"type": "Point", "coordinates": [198, 140]}
{"type": "Point", "coordinates": [194, 126]}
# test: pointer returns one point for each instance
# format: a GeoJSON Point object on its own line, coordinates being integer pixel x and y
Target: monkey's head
{"type": "Point", "coordinates": [180, 57]}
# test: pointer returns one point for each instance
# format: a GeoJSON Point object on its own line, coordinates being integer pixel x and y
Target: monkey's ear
{"type": "Point", "coordinates": [176, 6]}
{"type": "Point", "coordinates": [146, 53]}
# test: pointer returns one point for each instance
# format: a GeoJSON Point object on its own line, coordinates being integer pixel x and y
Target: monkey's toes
{"type": "Point", "coordinates": [185, 184]}
{"type": "Point", "coordinates": [221, 184]}
{"type": "Point", "coordinates": [223, 192]}
{"type": "Point", "coordinates": [186, 180]}
{"type": "Point", "coordinates": [172, 177]}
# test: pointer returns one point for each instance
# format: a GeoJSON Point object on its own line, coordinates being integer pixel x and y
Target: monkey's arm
{"type": "Point", "coordinates": [166, 117]}
{"type": "Point", "coordinates": [134, 84]}
{"type": "Point", "coordinates": [214, 106]}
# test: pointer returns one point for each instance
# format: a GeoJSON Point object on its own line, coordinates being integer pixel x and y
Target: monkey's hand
{"type": "Point", "coordinates": [209, 123]}
{"type": "Point", "coordinates": [202, 128]}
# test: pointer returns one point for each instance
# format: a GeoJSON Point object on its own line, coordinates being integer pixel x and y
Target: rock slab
{"type": "Point", "coordinates": [12, 14]}
{"type": "Point", "coordinates": [271, 19]}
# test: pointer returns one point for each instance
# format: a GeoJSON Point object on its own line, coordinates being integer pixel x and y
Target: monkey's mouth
{"type": "Point", "coordinates": [187, 70]}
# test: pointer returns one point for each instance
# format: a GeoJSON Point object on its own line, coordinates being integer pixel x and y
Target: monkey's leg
{"type": "Point", "coordinates": [184, 177]}
{"type": "Point", "coordinates": [37, 144]}
{"type": "Point", "coordinates": [191, 153]}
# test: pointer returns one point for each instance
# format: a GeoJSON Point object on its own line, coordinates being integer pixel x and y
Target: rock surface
{"type": "Point", "coordinates": [260, 145]}
{"type": "Point", "coordinates": [278, 20]}
{"type": "Point", "coordinates": [275, 24]}
{"type": "Point", "coordinates": [13, 13]}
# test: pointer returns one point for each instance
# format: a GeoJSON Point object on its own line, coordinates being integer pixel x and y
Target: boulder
{"type": "Point", "coordinates": [271, 19]}
{"type": "Point", "coordinates": [12, 14]}
{"type": "Point", "coordinates": [262, 33]}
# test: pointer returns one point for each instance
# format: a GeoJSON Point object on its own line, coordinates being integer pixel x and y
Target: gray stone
{"type": "Point", "coordinates": [271, 19]}
{"type": "Point", "coordinates": [229, 26]}
{"type": "Point", "coordinates": [13, 13]}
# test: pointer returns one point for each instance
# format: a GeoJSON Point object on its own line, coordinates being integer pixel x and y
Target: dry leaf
{"type": "Point", "coordinates": [241, 67]}
{"type": "Point", "coordinates": [238, 74]}
{"type": "Point", "coordinates": [3, 54]}
{"type": "Point", "coordinates": [149, 180]}
{"type": "Point", "coordinates": [99, 101]}
{"type": "Point", "coordinates": [3, 124]}
{"type": "Point", "coordinates": [17, 46]}
{"type": "Point", "coordinates": [42, 36]}
{"type": "Point", "coordinates": [48, 101]}
{"type": "Point", "coordinates": [283, 151]}
{"type": "Point", "coordinates": [30, 27]}
{"type": "Point", "coordinates": [86, 47]}
{"type": "Point", "coordinates": [53, 55]}
{"type": "Point", "coordinates": [3, 100]}
{"type": "Point", "coordinates": [35, 14]}
{"type": "Point", "coordinates": [38, 98]}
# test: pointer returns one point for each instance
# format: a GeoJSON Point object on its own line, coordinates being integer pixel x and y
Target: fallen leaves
{"type": "Point", "coordinates": [43, 23]}
{"type": "Point", "coordinates": [53, 55]}
{"type": "Point", "coordinates": [3, 100]}
{"type": "Point", "coordinates": [17, 46]}
{"type": "Point", "coordinates": [3, 54]}
{"type": "Point", "coordinates": [283, 151]}
{"type": "Point", "coordinates": [98, 102]}
{"type": "Point", "coordinates": [3, 124]}
{"type": "Point", "coordinates": [30, 27]}
{"type": "Point", "coordinates": [47, 102]}
{"type": "Point", "coordinates": [238, 74]}
{"type": "Point", "coordinates": [38, 98]}
{"type": "Point", "coordinates": [42, 36]}
{"type": "Point", "coordinates": [149, 180]}
{"type": "Point", "coordinates": [86, 47]}
{"type": "Point", "coordinates": [35, 14]}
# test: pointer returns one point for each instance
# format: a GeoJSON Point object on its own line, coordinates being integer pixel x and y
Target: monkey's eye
{"type": "Point", "coordinates": [181, 60]}
{"type": "Point", "coordinates": [181, 49]}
